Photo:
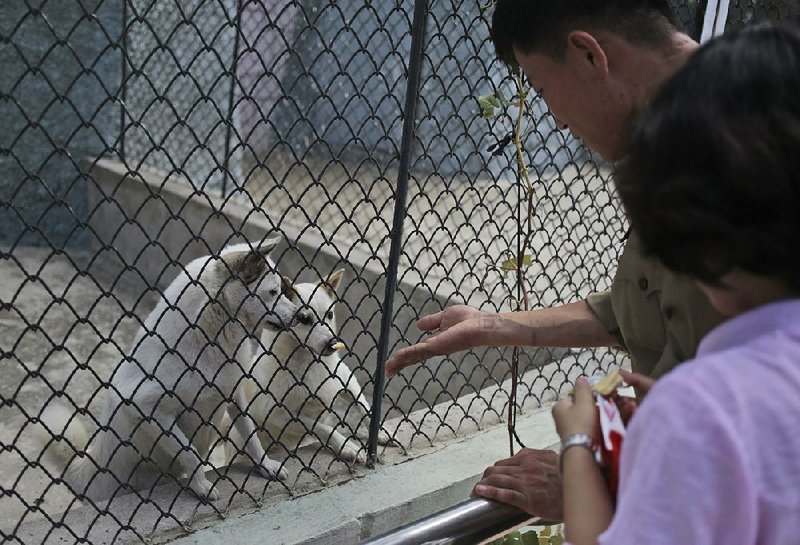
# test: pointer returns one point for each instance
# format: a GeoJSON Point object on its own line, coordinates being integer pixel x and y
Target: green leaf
{"type": "Point", "coordinates": [488, 104]}
{"type": "Point", "coordinates": [509, 264]}
{"type": "Point", "coordinates": [530, 538]}
{"type": "Point", "coordinates": [502, 98]}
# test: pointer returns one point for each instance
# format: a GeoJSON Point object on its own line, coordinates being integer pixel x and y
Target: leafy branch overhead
{"type": "Point", "coordinates": [491, 105]}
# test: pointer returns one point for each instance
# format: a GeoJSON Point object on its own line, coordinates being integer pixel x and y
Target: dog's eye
{"type": "Point", "coordinates": [329, 315]}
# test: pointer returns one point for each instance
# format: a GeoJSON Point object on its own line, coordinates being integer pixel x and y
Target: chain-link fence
{"type": "Point", "coordinates": [140, 136]}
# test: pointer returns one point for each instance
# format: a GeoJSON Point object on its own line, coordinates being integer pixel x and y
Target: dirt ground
{"type": "Point", "coordinates": [62, 330]}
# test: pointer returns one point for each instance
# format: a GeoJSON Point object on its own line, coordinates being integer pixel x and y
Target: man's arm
{"type": "Point", "coordinates": [461, 327]}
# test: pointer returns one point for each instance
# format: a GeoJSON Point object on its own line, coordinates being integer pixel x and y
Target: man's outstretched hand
{"type": "Point", "coordinates": [529, 480]}
{"type": "Point", "coordinates": [454, 329]}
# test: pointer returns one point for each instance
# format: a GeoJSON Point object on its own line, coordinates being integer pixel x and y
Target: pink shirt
{"type": "Point", "coordinates": [713, 454]}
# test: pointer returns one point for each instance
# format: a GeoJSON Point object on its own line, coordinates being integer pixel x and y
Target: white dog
{"type": "Point", "coordinates": [168, 398]}
{"type": "Point", "coordinates": [302, 389]}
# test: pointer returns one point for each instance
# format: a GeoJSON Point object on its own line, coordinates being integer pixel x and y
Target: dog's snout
{"type": "Point", "coordinates": [304, 317]}
{"type": "Point", "coordinates": [334, 344]}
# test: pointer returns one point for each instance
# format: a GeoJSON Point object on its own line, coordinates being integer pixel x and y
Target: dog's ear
{"type": "Point", "coordinates": [331, 284]}
{"type": "Point", "coordinates": [248, 266]}
{"type": "Point", "coordinates": [269, 244]}
{"type": "Point", "coordinates": [287, 288]}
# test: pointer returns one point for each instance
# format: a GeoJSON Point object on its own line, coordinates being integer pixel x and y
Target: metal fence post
{"type": "Point", "coordinates": [123, 77]}
{"type": "Point", "coordinates": [229, 129]}
{"type": "Point", "coordinates": [406, 145]}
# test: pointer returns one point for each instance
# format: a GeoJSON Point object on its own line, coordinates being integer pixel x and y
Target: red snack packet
{"type": "Point", "coordinates": [614, 411]}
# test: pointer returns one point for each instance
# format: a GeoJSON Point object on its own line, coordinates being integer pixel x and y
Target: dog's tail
{"type": "Point", "coordinates": [65, 442]}
{"type": "Point", "coordinates": [62, 433]}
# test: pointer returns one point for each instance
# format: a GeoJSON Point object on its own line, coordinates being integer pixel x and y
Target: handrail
{"type": "Point", "coordinates": [466, 523]}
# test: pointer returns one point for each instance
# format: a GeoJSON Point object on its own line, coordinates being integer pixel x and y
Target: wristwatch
{"type": "Point", "coordinates": [574, 440]}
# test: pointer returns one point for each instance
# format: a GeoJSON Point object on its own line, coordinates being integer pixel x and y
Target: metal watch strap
{"type": "Point", "coordinates": [574, 440]}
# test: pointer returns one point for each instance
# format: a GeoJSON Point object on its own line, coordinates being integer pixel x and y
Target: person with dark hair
{"type": "Point", "coordinates": [711, 183]}
{"type": "Point", "coordinates": [596, 63]}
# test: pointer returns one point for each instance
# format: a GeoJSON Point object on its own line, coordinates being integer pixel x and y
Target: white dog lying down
{"type": "Point", "coordinates": [168, 398]}
{"type": "Point", "coordinates": [302, 389]}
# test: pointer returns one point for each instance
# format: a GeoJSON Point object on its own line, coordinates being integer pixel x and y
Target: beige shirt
{"type": "Point", "coordinates": [658, 316]}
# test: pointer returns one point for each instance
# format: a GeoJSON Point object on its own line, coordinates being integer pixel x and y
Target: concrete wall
{"type": "Point", "coordinates": [329, 79]}
{"type": "Point", "coordinates": [61, 79]}
{"type": "Point", "coordinates": [310, 75]}
{"type": "Point", "coordinates": [178, 88]}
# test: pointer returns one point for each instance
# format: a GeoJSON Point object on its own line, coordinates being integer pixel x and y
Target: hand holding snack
{"type": "Point", "coordinates": [601, 413]}
{"type": "Point", "coordinates": [577, 413]}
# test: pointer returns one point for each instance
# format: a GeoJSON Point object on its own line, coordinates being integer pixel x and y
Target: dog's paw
{"type": "Point", "coordinates": [384, 439]}
{"type": "Point", "coordinates": [204, 489]}
{"type": "Point", "coordinates": [271, 469]}
{"type": "Point", "coordinates": [351, 451]}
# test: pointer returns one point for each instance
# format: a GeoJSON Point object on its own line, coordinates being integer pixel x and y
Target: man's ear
{"type": "Point", "coordinates": [583, 48]}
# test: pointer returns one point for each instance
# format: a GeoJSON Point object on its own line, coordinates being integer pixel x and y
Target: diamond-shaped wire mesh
{"type": "Point", "coordinates": [140, 135]}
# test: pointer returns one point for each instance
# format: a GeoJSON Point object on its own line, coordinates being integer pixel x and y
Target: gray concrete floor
{"type": "Point", "coordinates": [61, 331]}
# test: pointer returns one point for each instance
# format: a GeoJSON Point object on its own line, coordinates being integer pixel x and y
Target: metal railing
{"type": "Point", "coordinates": [467, 523]}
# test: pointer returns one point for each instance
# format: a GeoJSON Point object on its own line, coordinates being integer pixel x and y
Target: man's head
{"type": "Point", "coordinates": [593, 61]}
{"type": "Point", "coordinates": [711, 181]}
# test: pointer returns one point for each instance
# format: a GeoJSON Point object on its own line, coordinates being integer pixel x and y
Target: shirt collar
{"type": "Point", "coordinates": [751, 324]}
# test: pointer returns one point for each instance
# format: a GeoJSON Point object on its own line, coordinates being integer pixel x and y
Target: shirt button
{"type": "Point", "coordinates": [643, 283]}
